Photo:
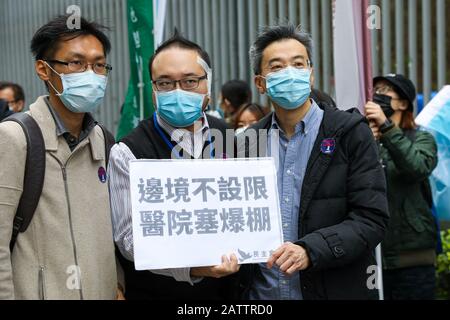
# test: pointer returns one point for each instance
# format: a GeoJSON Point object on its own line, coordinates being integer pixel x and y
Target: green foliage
{"type": "Point", "coordinates": [443, 268]}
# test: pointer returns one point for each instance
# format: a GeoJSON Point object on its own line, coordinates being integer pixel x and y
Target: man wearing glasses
{"type": "Point", "coordinates": [181, 76]}
{"type": "Point", "coordinates": [67, 251]}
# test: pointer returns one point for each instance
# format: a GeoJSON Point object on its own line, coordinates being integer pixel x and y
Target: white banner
{"type": "Point", "coordinates": [352, 60]}
{"type": "Point", "coordinates": [188, 213]}
{"type": "Point", "coordinates": [159, 19]}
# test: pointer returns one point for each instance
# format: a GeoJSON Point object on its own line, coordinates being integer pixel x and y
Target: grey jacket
{"type": "Point", "coordinates": [67, 251]}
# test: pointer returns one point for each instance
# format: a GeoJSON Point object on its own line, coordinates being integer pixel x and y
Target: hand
{"type": "Point", "coordinates": [375, 113]}
{"type": "Point", "coordinates": [375, 130]}
{"type": "Point", "coordinates": [228, 266]}
{"type": "Point", "coordinates": [120, 295]}
{"type": "Point", "coordinates": [289, 258]}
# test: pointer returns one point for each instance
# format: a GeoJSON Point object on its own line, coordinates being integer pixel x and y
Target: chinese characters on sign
{"type": "Point", "coordinates": [205, 220]}
{"type": "Point", "coordinates": [177, 204]}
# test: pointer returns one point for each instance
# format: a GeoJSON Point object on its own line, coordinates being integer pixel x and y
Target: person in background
{"type": "Point", "coordinates": [409, 156]}
{"type": "Point", "coordinates": [248, 115]}
{"type": "Point", "coordinates": [14, 96]}
{"type": "Point", "coordinates": [234, 95]}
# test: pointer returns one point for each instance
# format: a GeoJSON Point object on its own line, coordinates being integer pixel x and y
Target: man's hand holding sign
{"type": "Point", "coordinates": [228, 266]}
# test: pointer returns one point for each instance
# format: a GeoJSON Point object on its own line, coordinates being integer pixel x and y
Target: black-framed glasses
{"type": "Point", "coordinates": [80, 66]}
{"type": "Point", "coordinates": [188, 83]}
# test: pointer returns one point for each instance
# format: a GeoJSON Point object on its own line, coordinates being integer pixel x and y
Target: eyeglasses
{"type": "Point", "coordinates": [189, 83]}
{"type": "Point", "coordinates": [81, 66]}
{"type": "Point", "coordinates": [382, 89]}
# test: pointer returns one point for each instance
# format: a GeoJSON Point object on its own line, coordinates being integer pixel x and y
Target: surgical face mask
{"type": "Point", "coordinates": [240, 130]}
{"type": "Point", "coordinates": [179, 108]}
{"type": "Point", "coordinates": [290, 87]}
{"type": "Point", "coordinates": [82, 92]}
{"type": "Point", "coordinates": [385, 103]}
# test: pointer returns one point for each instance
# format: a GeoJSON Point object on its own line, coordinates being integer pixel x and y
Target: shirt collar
{"type": "Point", "coordinates": [304, 125]}
{"type": "Point", "coordinates": [88, 123]}
{"type": "Point", "coordinates": [177, 134]}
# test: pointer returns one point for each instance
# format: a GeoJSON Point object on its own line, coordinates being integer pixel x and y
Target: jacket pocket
{"type": "Point", "coordinates": [41, 285]}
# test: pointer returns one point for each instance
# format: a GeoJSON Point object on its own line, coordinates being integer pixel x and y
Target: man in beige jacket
{"type": "Point", "coordinates": [67, 251]}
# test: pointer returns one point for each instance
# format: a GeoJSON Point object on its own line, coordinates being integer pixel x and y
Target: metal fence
{"type": "Point", "coordinates": [20, 19]}
{"type": "Point", "coordinates": [415, 44]}
{"type": "Point", "coordinates": [412, 40]}
{"type": "Point", "coordinates": [226, 28]}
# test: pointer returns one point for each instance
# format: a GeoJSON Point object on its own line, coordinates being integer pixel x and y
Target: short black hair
{"type": "Point", "coordinates": [269, 35]}
{"type": "Point", "coordinates": [46, 40]}
{"type": "Point", "coordinates": [178, 41]}
{"type": "Point", "coordinates": [238, 92]}
{"type": "Point", "coordinates": [17, 90]}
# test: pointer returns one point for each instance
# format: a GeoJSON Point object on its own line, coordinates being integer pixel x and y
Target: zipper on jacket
{"type": "Point", "coordinates": [41, 280]}
{"type": "Point", "coordinates": [66, 188]}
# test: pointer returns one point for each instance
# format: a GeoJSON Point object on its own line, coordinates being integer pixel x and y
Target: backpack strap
{"type": "Point", "coordinates": [109, 142]}
{"type": "Point", "coordinates": [34, 174]}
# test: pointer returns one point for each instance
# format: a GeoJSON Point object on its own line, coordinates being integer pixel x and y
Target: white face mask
{"type": "Point", "coordinates": [240, 130]}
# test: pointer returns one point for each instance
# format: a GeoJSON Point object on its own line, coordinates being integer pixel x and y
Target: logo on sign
{"type": "Point", "coordinates": [244, 255]}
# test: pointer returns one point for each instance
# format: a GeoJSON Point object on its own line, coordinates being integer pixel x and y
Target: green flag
{"type": "Point", "coordinates": [138, 102]}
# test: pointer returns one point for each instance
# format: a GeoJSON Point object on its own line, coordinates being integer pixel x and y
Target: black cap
{"type": "Point", "coordinates": [402, 85]}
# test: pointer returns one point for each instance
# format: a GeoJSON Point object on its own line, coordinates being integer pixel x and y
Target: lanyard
{"type": "Point", "coordinates": [169, 143]}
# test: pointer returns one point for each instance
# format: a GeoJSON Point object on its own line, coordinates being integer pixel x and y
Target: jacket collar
{"type": "Point", "coordinates": [40, 112]}
{"type": "Point", "coordinates": [335, 122]}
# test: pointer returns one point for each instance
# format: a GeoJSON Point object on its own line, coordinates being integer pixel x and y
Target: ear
{"type": "Point", "coordinates": [227, 102]}
{"type": "Point", "coordinates": [20, 104]}
{"type": "Point", "coordinates": [41, 70]}
{"type": "Point", "coordinates": [206, 102]}
{"type": "Point", "coordinates": [154, 99]}
{"type": "Point", "coordinates": [260, 84]}
{"type": "Point", "coordinates": [312, 78]}
{"type": "Point", "coordinates": [402, 105]}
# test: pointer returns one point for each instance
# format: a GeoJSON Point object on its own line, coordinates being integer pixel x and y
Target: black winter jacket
{"type": "Point", "coordinates": [343, 212]}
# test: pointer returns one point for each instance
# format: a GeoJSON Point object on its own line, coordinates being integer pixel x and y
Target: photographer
{"type": "Point", "coordinates": [409, 156]}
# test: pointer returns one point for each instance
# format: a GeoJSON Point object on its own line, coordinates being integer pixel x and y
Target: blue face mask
{"type": "Point", "coordinates": [290, 87]}
{"type": "Point", "coordinates": [179, 108]}
{"type": "Point", "coordinates": [82, 92]}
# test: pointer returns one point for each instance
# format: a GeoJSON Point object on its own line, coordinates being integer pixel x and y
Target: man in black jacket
{"type": "Point", "coordinates": [331, 184]}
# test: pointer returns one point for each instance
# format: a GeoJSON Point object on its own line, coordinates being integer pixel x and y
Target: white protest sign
{"type": "Point", "coordinates": [188, 213]}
